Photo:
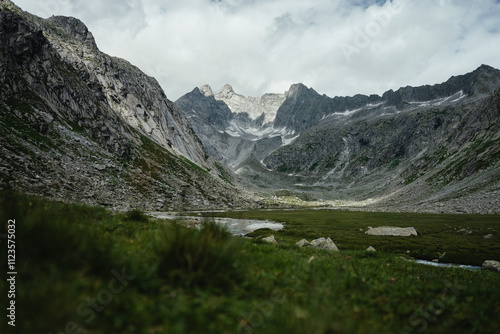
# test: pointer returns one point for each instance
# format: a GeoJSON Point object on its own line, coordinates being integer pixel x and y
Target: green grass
{"type": "Point", "coordinates": [85, 268]}
{"type": "Point", "coordinates": [439, 233]}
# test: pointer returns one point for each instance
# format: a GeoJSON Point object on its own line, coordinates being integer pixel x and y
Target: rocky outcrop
{"type": "Point", "coordinates": [392, 231]}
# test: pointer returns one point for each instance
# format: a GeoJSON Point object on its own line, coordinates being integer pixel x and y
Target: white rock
{"type": "Point", "coordinates": [323, 243]}
{"type": "Point", "coordinates": [303, 243]}
{"type": "Point", "coordinates": [392, 231]}
{"type": "Point", "coordinates": [270, 239]}
{"type": "Point", "coordinates": [371, 249]}
{"type": "Point", "coordinates": [491, 265]}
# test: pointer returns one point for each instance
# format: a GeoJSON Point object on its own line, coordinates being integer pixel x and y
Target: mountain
{"type": "Point", "coordinates": [434, 147]}
{"type": "Point", "coordinates": [83, 126]}
{"type": "Point", "coordinates": [233, 127]}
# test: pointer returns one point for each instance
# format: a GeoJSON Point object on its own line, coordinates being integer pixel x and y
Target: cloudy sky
{"type": "Point", "coordinates": [338, 47]}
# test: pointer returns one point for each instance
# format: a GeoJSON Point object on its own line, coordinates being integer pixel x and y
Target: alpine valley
{"type": "Point", "coordinates": [81, 126]}
{"type": "Point", "coordinates": [432, 148]}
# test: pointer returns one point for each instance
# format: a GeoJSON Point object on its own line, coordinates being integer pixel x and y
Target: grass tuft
{"type": "Point", "coordinates": [192, 258]}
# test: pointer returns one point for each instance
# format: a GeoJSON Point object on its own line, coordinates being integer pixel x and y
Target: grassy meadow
{"type": "Point", "coordinates": [453, 238]}
{"type": "Point", "coordinates": [86, 270]}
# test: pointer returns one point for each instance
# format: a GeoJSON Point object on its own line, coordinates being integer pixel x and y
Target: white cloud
{"type": "Point", "coordinates": [338, 47]}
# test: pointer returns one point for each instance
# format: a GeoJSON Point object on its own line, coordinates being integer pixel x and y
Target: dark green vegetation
{"type": "Point", "coordinates": [84, 268]}
{"type": "Point", "coordinates": [460, 236]}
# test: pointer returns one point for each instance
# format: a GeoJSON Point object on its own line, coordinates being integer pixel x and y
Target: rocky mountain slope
{"type": "Point", "coordinates": [420, 148]}
{"type": "Point", "coordinates": [80, 125]}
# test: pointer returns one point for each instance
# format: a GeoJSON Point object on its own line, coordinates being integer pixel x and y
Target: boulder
{"type": "Point", "coordinates": [303, 243]}
{"type": "Point", "coordinates": [323, 243]}
{"type": "Point", "coordinates": [392, 231]}
{"type": "Point", "coordinates": [270, 239]}
{"type": "Point", "coordinates": [488, 236]}
{"type": "Point", "coordinates": [491, 265]}
{"type": "Point", "coordinates": [371, 249]}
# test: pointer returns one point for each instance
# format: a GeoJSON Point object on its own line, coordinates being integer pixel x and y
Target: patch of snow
{"type": "Point", "coordinates": [371, 105]}
{"type": "Point", "coordinates": [288, 141]}
{"type": "Point", "coordinates": [351, 112]}
{"type": "Point", "coordinates": [437, 102]}
{"type": "Point", "coordinates": [264, 165]}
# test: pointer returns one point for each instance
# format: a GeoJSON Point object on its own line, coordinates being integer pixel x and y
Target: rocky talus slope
{"type": "Point", "coordinates": [82, 126]}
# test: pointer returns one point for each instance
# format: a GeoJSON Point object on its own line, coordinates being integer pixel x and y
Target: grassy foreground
{"type": "Point", "coordinates": [84, 270]}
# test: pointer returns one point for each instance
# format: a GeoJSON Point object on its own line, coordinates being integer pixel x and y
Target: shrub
{"type": "Point", "coordinates": [136, 215]}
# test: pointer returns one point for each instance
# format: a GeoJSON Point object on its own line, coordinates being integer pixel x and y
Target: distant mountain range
{"type": "Point", "coordinates": [424, 145]}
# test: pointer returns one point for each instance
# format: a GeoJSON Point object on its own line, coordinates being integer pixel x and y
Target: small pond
{"type": "Point", "coordinates": [235, 226]}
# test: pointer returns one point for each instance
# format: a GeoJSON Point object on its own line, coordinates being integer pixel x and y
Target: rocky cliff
{"type": "Point", "coordinates": [80, 125]}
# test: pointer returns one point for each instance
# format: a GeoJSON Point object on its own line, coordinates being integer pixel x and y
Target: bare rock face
{"type": "Point", "coordinates": [135, 97]}
{"type": "Point", "coordinates": [75, 28]}
{"type": "Point", "coordinates": [392, 231]}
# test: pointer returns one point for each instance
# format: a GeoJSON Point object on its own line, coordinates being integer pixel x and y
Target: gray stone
{"type": "Point", "coordinates": [491, 265]}
{"type": "Point", "coordinates": [99, 167]}
{"type": "Point", "coordinates": [270, 239]}
{"type": "Point", "coordinates": [488, 236]}
{"type": "Point", "coordinates": [371, 249]}
{"type": "Point", "coordinates": [303, 243]}
{"type": "Point", "coordinates": [392, 231]}
{"type": "Point", "coordinates": [323, 243]}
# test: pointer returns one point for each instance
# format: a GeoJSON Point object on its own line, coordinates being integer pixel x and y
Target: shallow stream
{"type": "Point", "coordinates": [449, 265]}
